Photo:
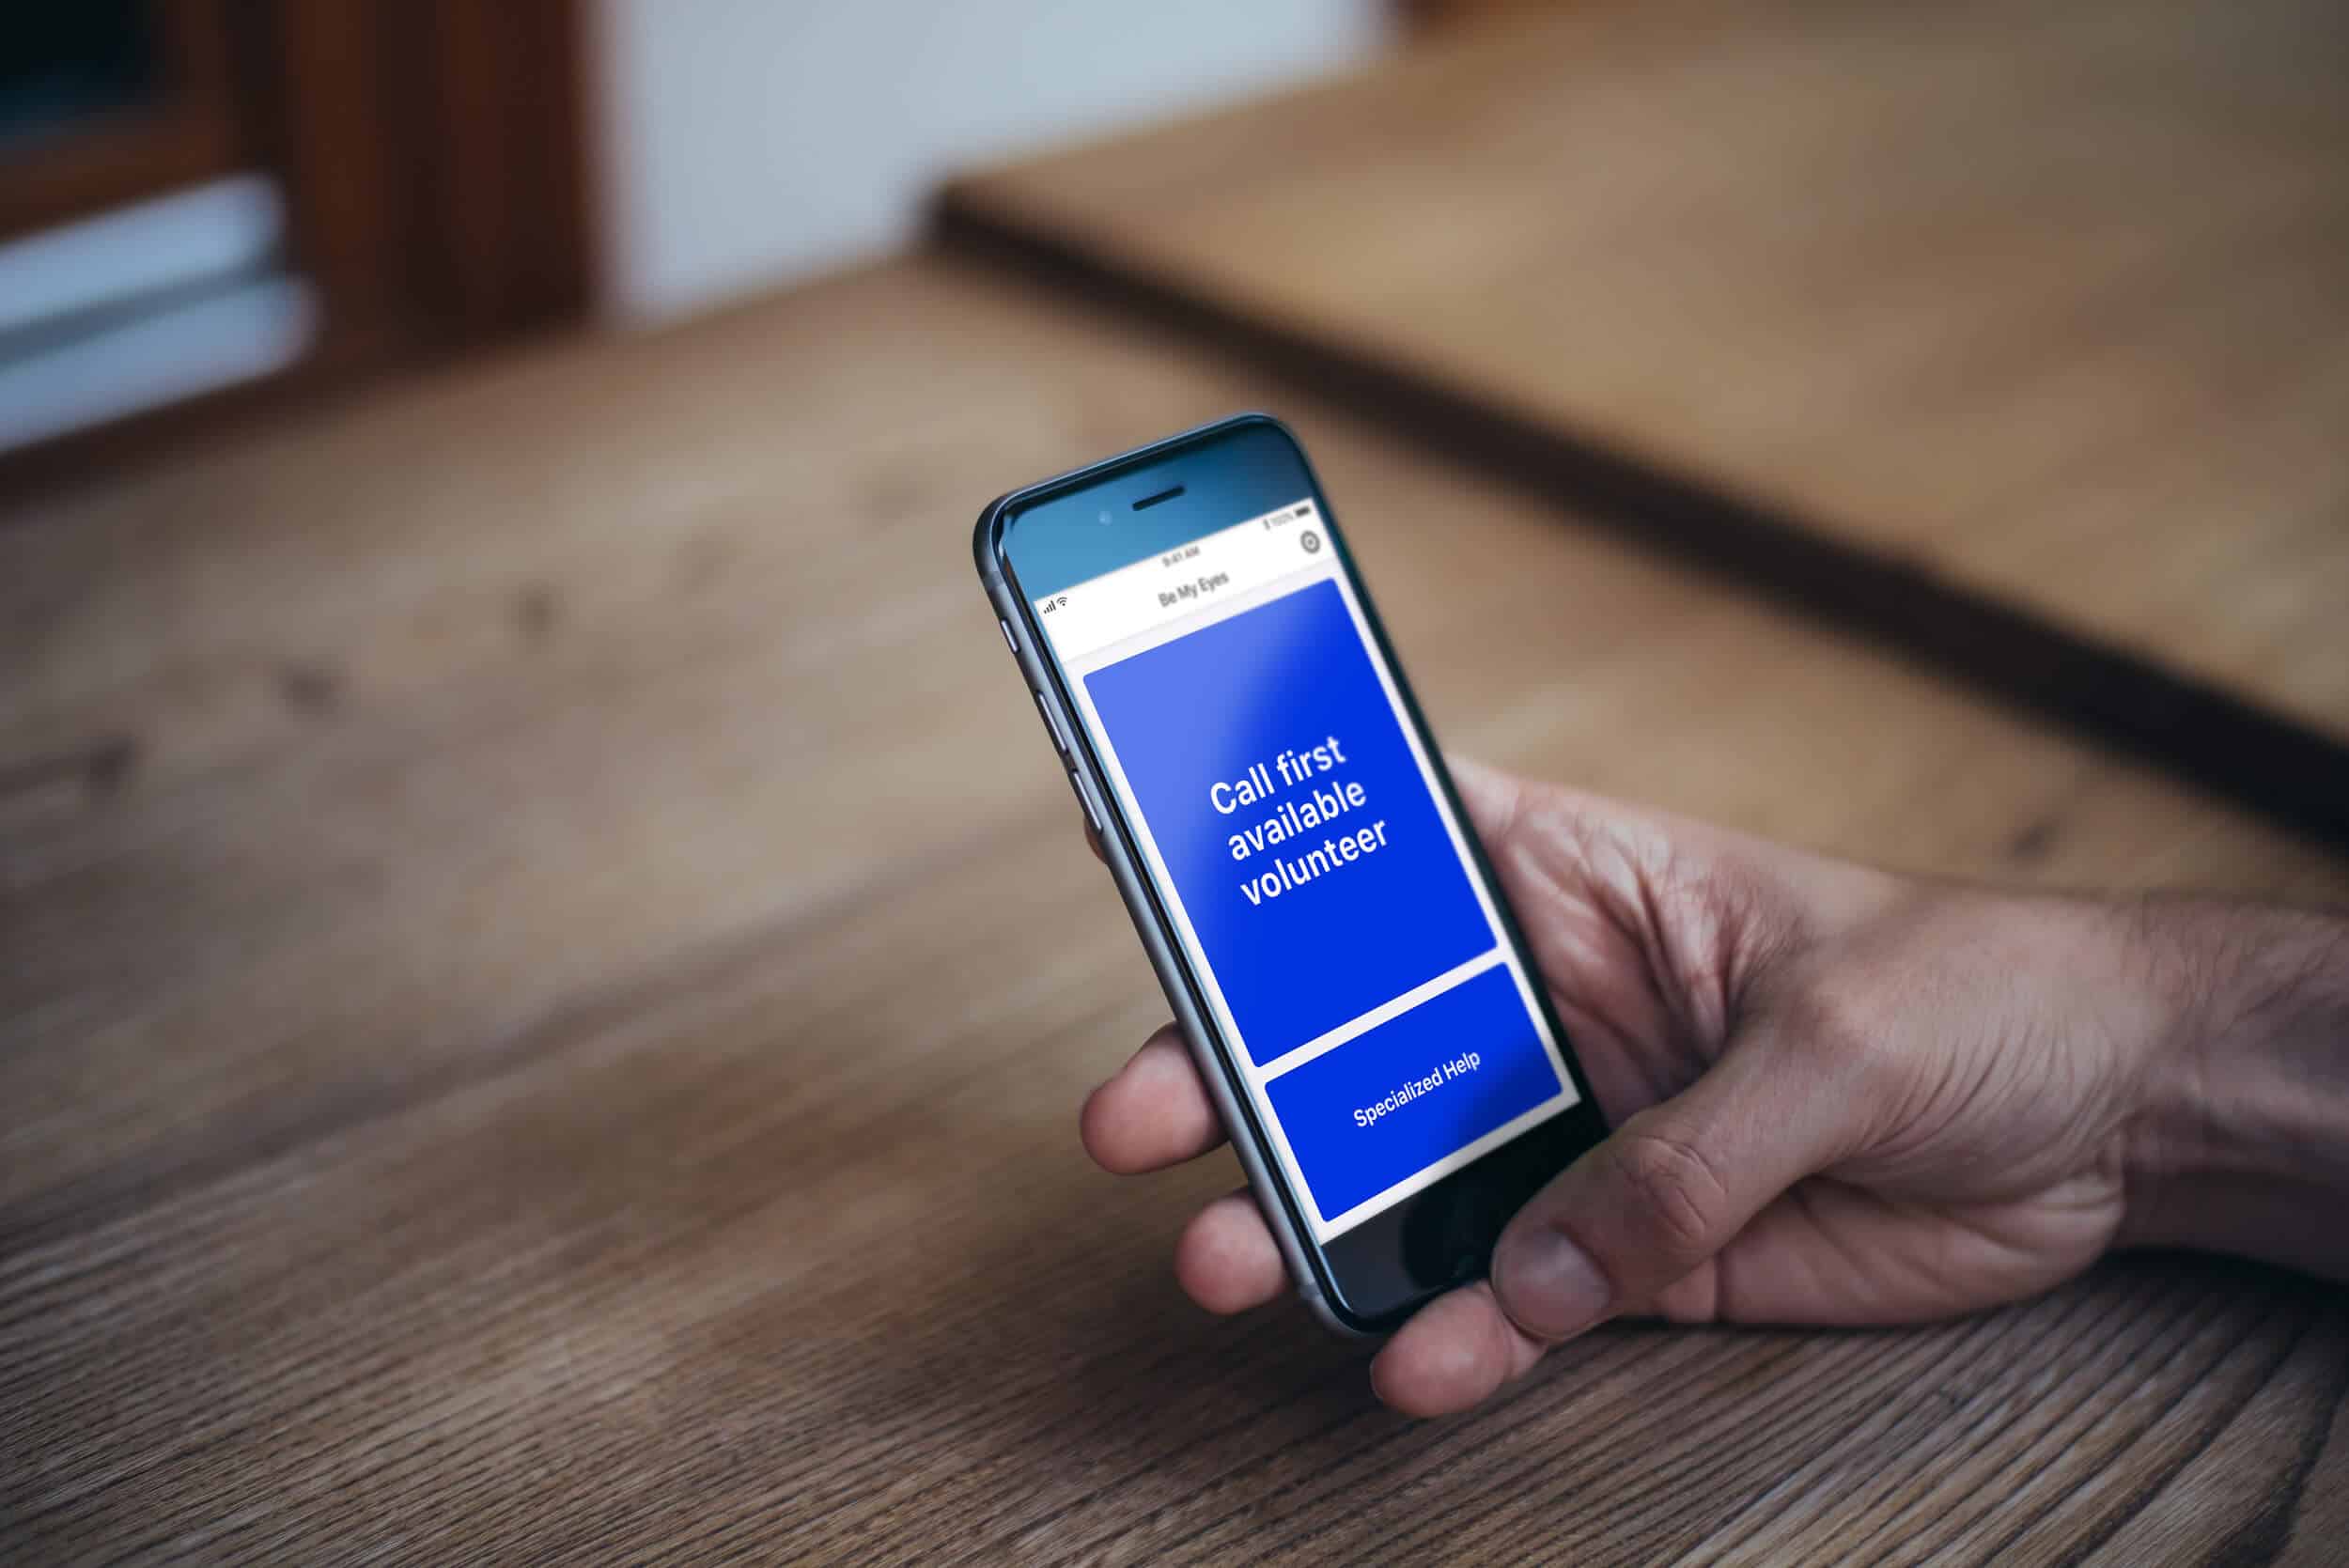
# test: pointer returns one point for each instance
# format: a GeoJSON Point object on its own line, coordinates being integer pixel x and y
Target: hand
{"type": "Point", "coordinates": [1840, 1097]}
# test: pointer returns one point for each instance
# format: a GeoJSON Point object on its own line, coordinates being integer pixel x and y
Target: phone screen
{"type": "Point", "coordinates": [1315, 874]}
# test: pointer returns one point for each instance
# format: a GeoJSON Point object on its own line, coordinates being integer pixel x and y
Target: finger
{"type": "Point", "coordinates": [1455, 1353]}
{"type": "Point", "coordinates": [1227, 1260]}
{"type": "Point", "coordinates": [1666, 1190]}
{"type": "Point", "coordinates": [1490, 797]}
{"type": "Point", "coordinates": [1154, 1114]}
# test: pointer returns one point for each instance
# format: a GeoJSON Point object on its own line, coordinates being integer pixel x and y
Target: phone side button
{"type": "Point", "coordinates": [1091, 821]}
{"type": "Point", "coordinates": [1010, 641]}
{"type": "Point", "coordinates": [1060, 743]}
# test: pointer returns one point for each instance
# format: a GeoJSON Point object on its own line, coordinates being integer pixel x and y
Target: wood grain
{"type": "Point", "coordinates": [547, 976]}
{"type": "Point", "coordinates": [2015, 335]}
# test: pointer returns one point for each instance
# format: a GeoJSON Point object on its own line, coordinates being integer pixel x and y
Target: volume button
{"type": "Point", "coordinates": [1009, 641]}
{"type": "Point", "coordinates": [1077, 784]}
{"type": "Point", "coordinates": [1059, 744]}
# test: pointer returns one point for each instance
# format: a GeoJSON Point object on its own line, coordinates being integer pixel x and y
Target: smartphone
{"type": "Point", "coordinates": [1210, 670]}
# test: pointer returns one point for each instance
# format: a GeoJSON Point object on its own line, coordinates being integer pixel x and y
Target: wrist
{"type": "Point", "coordinates": [2240, 1127]}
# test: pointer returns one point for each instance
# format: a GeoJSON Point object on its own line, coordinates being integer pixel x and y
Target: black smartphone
{"type": "Point", "coordinates": [1280, 823]}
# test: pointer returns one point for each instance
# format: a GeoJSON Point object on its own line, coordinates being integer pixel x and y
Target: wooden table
{"type": "Point", "coordinates": [2016, 335]}
{"type": "Point", "coordinates": [547, 976]}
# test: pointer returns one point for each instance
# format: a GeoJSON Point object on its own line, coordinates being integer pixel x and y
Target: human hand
{"type": "Point", "coordinates": [1840, 1097]}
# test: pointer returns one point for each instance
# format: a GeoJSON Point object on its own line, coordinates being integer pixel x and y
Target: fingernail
{"type": "Point", "coordinates": [1548, 1285]}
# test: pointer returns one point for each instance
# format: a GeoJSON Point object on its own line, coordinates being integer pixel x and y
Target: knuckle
{"type": "Point", "coordinates": [1675, 1187]}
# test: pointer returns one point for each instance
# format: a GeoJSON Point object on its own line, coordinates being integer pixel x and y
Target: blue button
{"type": "Point", "coordinates": [1317, 891]}
{"type": "Point", "coordinates": [1390, 1103]}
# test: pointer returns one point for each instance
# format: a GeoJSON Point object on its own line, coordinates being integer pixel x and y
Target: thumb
{"type": "Point", "coordinates": [1666, 1190]}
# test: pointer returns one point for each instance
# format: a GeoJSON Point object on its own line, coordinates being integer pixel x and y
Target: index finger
{"type": "Point", "coordinates": [1154, 1114]}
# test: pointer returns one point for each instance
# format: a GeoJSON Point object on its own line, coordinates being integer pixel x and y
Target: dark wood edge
{"type": "Point", "coordinates": [438, 162]}
{"type": "Point", "coordinates": [126, 158]}
{"type": "Point", "coordinates": [2214, 738]}
{"type": "Point", "coordinates": [439, 168]}
{"type": "Point", "coordinates": [509, 196]}
{"type": "Point", "coordinates": [190, 133]}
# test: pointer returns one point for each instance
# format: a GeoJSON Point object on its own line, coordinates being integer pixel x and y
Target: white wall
{"type": "Point", "coordinates": [753, 141]}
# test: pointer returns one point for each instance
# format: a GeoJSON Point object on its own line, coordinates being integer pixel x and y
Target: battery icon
{"type": "Point", "coordinates": [1301, 510]}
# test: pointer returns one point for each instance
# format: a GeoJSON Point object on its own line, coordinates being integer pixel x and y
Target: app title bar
{"type": "Point", "coordinates": [1183, 581]}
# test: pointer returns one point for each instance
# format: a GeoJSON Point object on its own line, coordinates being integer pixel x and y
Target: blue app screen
{"type": "Point", "coordinates": [1360, 973]}
{"type": "Point", "coordinates": [1291, 813]}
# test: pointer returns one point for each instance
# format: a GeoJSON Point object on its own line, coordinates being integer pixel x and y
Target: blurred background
{"type": "Point", "coordinates": [547, 967]}
{"type": "Point", "coordinates": [199, 194]}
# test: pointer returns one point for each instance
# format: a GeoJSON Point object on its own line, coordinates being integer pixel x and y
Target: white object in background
{"type": "Point", "coordinates": [206, 233]}
{"type": "Point", "coordinates": [749, 143]}
{"type": "Point", "coordinates": [159, 357]}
